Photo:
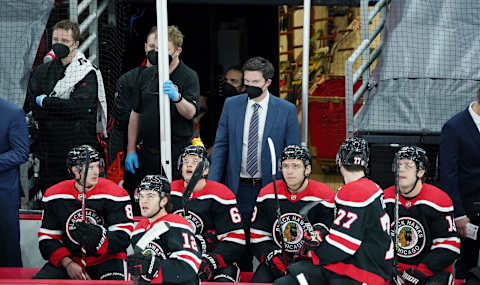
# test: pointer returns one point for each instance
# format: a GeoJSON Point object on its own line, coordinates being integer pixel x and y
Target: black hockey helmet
{"type": "Point", "coordinates": [198, 150]}
{"type": "Point", "coordinates": [414, 153]}
{"type": "Point", "coordinates": [155, 183]}
{"type": "Point", "coordinates": [78, 155]}
{"type": "Point", "coordinates": [296, 152]}
{"type": "Point", "coordinates": [353, 152]}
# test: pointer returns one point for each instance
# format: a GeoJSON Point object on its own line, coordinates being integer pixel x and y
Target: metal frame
{"type": "Point", "coordinates": [95, 10]}
{"type": "Point", "coordinates": [363, 50]}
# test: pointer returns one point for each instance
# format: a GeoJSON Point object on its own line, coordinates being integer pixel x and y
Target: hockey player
{"type": "Point", "coordinates": [358, 248]}
{"type": "Point", "coordinates": [171, 257]}
{"type": "Point", "coordinates": [295, 190]}
{"type": "Point", "coordinates": [213, 212]}
{"type": "Point", "coordinates": [427, 241]}
{"type": "Point", "coordinates": [104, 231]}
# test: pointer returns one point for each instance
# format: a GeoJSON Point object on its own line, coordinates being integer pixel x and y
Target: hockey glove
{"type": "Point", "coordinates": [210, 263]}
{"type": "Point", "coordinates": [275, 262]}
{"type": "Point", "coordinates": [89, 235]}
{"type": "Point", "coordinates": [207, 241]}
{"type": "Point", "coordinates": [171, 90]}
{"type": "Point", "coordinates": [413, 277]}
{"type": "Point", "coordinates": [309, 243]}
{"type": "Point", "coordinates": [147, 266]}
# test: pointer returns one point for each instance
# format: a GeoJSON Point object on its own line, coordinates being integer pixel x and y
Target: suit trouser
{"type": "Point", "coordinates": [246, 198]}
{"type": "Point", "coordinates": [10, 254]}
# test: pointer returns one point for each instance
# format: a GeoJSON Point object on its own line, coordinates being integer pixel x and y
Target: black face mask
{"type": "Point", "coordinates": [229, 90]}
{"type": "Point", "coordinates": [60, 50]}
{"type": "Point", "coordinates": [152, 57]}
{"type": "Point", "coordinates": [253, 91]}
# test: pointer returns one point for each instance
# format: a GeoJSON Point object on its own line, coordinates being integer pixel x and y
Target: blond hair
{"type": "Point", "coordinates": [175, 36]}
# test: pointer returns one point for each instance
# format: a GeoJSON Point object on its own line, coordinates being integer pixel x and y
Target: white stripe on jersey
{"type": "Point", "coordinates": [110, 197]}
{"type": "Point", "coordinates": [435, 206]}
{"type": "Point", "coordinates": [271, 196]}
{"type": "Point", "coordinates": [264, 236]}
{"type": "Point", "coordinates": [226, 237]}
{"type": "Point", "coordinates": [446, 243]}
{"type": "Point", "coordinates": [340, 245]}
{"type": "Point", "coordinates": [137, 231]}
{"type": "Point", "coordinates": [40, 238]}
{"type": "Point", "coordinates": [57, 196]}
{"type": "Point", "coordinates": [259, 240]}
{"type": "Point", "coordinates": [183, 226]}
{"type": "Point", "coordinates": [346, 237]}
{"type": "Point", "coordinates": [122, 227]}
{"type": "Point", "coordinates": [50, 232]}
{"type": "Point", "coordinates": [218, 199]}
{"type": "Point", "coordinates": [176, 193]}
{"type": "Point", "coordinates": [359, 204]}
{"type": "Point", "coordinates": [191, 259]}
{"type": "Point", "coordinates": [389, 200]}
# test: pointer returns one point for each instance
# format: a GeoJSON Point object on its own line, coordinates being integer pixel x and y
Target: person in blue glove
{"type": "Point", "coordinates": [183, 89]}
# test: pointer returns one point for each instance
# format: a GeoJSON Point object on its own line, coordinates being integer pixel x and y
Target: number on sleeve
{"type": "Point", "coordinates": [128, 211]}
{"type": "Point", "coordinates": [235, 215]}
{"type": "Point", "coordinates": [351, 218]}
{"type": "Point", "coordinates": [189, 241]}
{"type": "Point", "coordinates": [451, 224]}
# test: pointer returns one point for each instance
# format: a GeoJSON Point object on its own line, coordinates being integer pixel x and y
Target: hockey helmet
{"type": "Point", "coordinates": [79, 155]}
{"type": "Point", "coordinates": [296, 152]}
{"type": "Point", "coordinates": [154, 183]}
{"type": "Point", "coordinates": [414, 153]}
{"type": "Point", "coordinates": [198, 150]}
{"type": "Point", "coordinates": [353, 152]}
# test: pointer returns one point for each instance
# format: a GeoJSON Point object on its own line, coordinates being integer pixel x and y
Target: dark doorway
{"type": "Point", "coordinates": [216, 36]}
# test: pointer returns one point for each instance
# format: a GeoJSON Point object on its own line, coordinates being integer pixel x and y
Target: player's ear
{"type": "Point", "coordinates": [308, 170]}
{"type": "Point", "coordinates": [421, 173]}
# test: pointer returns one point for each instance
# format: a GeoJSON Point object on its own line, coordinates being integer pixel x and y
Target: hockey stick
{"type": "Point", "coordinates": [153, 233]}
{"type": "Point", "coordinates": [304, 213]}
{"type": "Point", "coordinates": [196, 176]}
{"type": "Point", "coordinates": [84, 218]}
{"type": "Point", "coordinates": [279, 213]}
{"type": "Point", "coordinates": [396, 168]}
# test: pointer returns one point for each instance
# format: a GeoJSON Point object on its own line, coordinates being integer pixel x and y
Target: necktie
{"type": "Point", "coordinates": [252, 162]}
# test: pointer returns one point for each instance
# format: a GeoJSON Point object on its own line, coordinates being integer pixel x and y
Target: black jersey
{"type": "Point", "coordinates": [264, 233]}
{"type": "Point", "coordinates": [427, 237]}
{"type": "Point", "coordinates": [213, 209]}
{"type": "Point", "coordinates": [177, 248]}
{"type": "Point", "coordinates": [107, 205]}
{"type": "Point", "coordinates": [359, 244]}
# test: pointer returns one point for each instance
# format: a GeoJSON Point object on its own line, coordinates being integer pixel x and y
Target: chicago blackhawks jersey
{"type": "Point", "coordinates": [107, 205]}
{"type": "Point", "coordinates": [177, 248]}
{"type": "Point", "coordinates": [359, 244]}
{"type": "Point", "coordinates": [427, 237]}
{"type": "Point", "coordinates": [213, 211]}
{"type": "Point", "coordinates": [265, 230]}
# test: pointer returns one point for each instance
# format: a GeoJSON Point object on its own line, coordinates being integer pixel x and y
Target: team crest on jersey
{"type": "Point", "coordinates": [154, 248]}
{"type": "Point", "coordinates": [193, 219]}
{"type": "Point", "coordinates": [410, 237]}
{"type": "Point", "coordinates": [91, 217]}
{"type": "Point", "coordinates": [293, 227]}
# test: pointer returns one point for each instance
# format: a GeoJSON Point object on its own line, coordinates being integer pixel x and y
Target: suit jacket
{"type": "Point", "coordinates": [14, 149]}
{"type": "Point", "coordinates": [281, 125]}
{"type": "Point", "coordinates": [460, 162]}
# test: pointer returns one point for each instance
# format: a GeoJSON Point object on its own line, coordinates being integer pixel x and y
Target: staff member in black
{"type": "Point", "coordinates": [183, 91]}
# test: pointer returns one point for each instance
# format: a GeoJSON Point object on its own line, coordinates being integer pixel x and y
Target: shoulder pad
{"type": "Point", "coordinates": [358, 193]}
{"type": "Point", "coordinates": [435, 198]}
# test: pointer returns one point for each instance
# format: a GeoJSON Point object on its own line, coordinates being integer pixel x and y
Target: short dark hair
{"type": "Point", "coordinates": [237, 67]}
{"type": "Point", "coordinates": [69, 25]}
{"type": "Point", "coordinates": [153, 30]}
{"type": "Point", "coordinates": [355, 168]}
{"type": "Point", "coordinates": [259, 64]}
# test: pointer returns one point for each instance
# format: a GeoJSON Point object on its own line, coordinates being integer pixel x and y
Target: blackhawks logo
{"type": "Point", "coordinates": [91, 217]}
{"type": "Point", "coordinates": [293, 227]}
{"type": "Point", "coordinates": [410, 237]}
{"type": "Point", "coordinates": [154, 248]}
{"type": "Point", "coordinates": [193, 219]}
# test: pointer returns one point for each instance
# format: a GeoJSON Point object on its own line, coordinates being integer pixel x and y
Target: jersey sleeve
{"type": "Point", "coordinates": [345, 236]}
{"type": "Point", "coordinates": [261, 238]}
{"type": "Point", "coordinates": [119, 224]}
{"type": "Point", "coordinates": [322, 215]}
{"type": "Point", "coordinates": [184, 259]}
{"type": "Point", "coordinates": [50, 237]}
{"type": "Point", "coordinates": [229, 230]}
{"type": "Point", "coordinates": [445, 244]}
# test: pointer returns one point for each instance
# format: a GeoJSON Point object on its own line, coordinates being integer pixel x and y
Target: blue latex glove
{"type": "Point", "coordinates": [170, 89]}
{"type": "Point", "coordinates": [131, 162]}
{"type": "Point", "coordinates": [39, 100]}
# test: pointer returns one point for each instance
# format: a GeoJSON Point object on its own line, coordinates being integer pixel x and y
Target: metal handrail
{"type": "Point", "coordinates": [90, 23]}
{"type": "Point", "coordinates": [368, 58]}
